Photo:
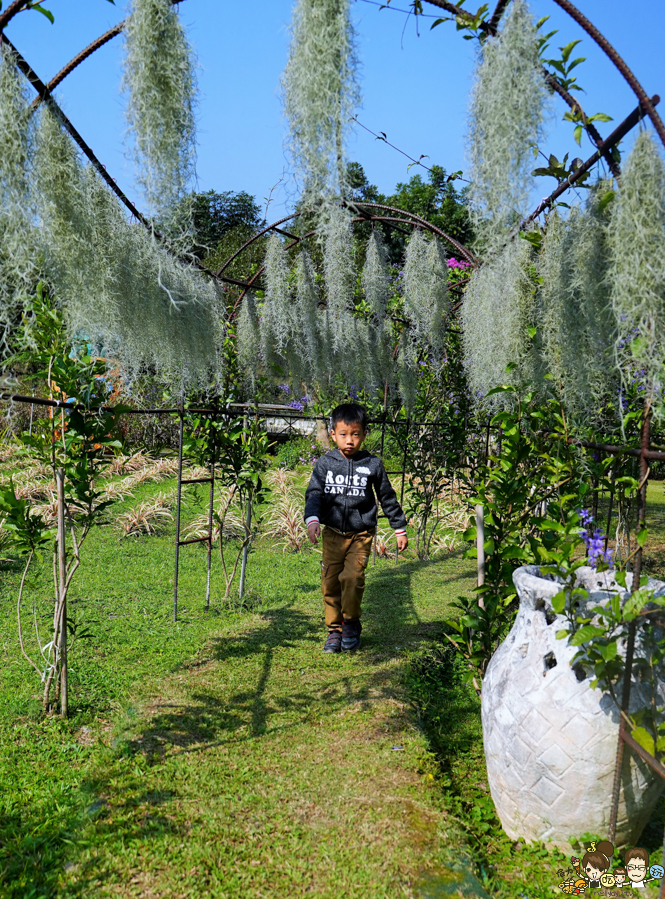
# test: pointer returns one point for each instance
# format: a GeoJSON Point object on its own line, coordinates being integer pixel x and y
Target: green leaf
{"type": "Point", "coordinates": [585, 634]}
{"type": "Point", "coordinates": [578, 134]}
{"type": "Point", "coordinates": [609, 652]}
{"type": "Point", "coordinates": [600, 117]}
{"type": "Point", "coordinates": [45, 12]}
{"type": "Point", "coordinates": [606, 199]}
{"type": "Point", "coordinates": [535, 238]}
{"type": "Point", "coordinates": [561, 634]}
{"type": "Point", "coordinates": [642, 736]}
{"type": "Point", "coordinates": [642, 535]}
{"type": "Point", "coordinates": [559, 602]}
{"type": "Point", "coordinates": [568, 49]}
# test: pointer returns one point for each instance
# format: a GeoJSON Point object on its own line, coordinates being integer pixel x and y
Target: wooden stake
{"type": "Point", "coordinates": [480, 544]}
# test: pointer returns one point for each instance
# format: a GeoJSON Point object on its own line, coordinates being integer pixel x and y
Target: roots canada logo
{"type": "Point", "coordinates": [595, 871]}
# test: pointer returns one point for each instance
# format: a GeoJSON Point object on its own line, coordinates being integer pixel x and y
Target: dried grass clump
{"type": "Point", "coordinates": [33, 490]}
{"type": "Point", "coordinates": [497, 312]}
{"type": "Point", "coordinates": [637, 271]}
{"type": "Point", "coordinates": [227, 515]}
{"type": "Point", "coordinates": [157, 471]}
{"type": "Point", "coordinates": [285, 523]}
{"type": "Point", "coordinates": [118, 491]}
{"type": "Point", "coordinates": [18, 255]}
{"type": "Point", "coordinates": [123, 463]}
{"type": "Point", "coordinates": [160, 85]}
{"type": "Point", "coordinates": [284, 484]}
{"type": "Point", "coordinates": [149, 517]}
{"type": "Point", "coordinates": [48, 510]}
{"type": "Point", "coordinates": [506, 121]}
{"type": "Point", "coordinates": [320, 93]}
{"type": "Point", "coordinates": [133, 300]}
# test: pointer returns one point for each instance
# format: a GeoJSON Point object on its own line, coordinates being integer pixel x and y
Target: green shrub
{"type": "Point", "coordinates": [299, 451]}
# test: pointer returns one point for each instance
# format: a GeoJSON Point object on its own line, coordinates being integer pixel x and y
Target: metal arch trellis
{"type": "Point", "coordinates": [647, 106]}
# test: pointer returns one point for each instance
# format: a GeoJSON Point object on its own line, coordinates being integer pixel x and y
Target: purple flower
{"type": "Point", "coordinates": [594, 541]}
{"type": "Point", "coordinates": [284, 388]}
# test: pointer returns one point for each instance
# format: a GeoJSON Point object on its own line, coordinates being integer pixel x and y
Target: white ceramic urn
{"type": "Point", "coordinates": [550, 739]}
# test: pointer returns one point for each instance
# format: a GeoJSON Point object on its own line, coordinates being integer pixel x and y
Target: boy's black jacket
{"type": "Point", "coordinates": [341, 493]}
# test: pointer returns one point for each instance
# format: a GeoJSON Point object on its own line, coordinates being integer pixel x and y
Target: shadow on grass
{"type": "Point", "coordinates": [208, 717]}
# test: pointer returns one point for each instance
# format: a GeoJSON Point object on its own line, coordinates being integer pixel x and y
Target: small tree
{"type": "Point", "coordinates": [74, 445]}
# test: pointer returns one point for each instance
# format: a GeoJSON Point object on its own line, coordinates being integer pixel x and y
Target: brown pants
{"type": "Point", "coordinates": [345, 559]}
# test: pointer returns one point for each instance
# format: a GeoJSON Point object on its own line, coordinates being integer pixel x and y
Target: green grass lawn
{"type": "Point", "coordinates": [226, 756]}
{"type": "Point", "coordinates": [224, 753]}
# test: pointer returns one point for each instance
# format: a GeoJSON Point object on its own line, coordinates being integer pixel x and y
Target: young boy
{"type": "Point", "coordinates": [340, 496]}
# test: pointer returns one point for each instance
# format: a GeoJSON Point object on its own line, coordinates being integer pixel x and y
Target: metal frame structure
{"type": "Point", "coordinates": [366, 212]}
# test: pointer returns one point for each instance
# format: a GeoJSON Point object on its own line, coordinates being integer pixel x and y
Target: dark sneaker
{"type": "Point", "coordinates": [334, 642]}
{"type": "Point", "coordinates": [351, 635]}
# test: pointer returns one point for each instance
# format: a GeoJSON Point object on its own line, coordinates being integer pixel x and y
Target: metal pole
{"type": "Point", "coordinates": [245, 552]}
{"type": "Point", "coordinates": [383, 441]}
{"type": "Point", "coordinates": [62, 577]}
{"type": "Point", "coordinates": [210, 511]}
{"type": "Point", "coordinates": [611, 503]}
{"type": "Point", "coordinates": [630, 643]}
{"type": "Point", "coordinates": [177, 516]}
{"type": "Point", "coordinates": [480, 543]}
{"type": "Point", "coordinates": [248, 525]}
{"type": "Point", "coordinates": [401, 493]}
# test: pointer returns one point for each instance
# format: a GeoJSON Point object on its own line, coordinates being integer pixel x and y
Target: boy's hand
{"type": "Point", "coordinates": [313, 531]}
{"type": "Point", "coordinates": [402, 542]}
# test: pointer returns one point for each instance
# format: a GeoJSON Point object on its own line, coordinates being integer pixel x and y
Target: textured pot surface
{"type": "Point", "coordinates": [550, 740]}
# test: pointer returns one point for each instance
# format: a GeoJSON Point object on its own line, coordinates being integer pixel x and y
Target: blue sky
{"type": "Point", "coordinates": [415, 88]}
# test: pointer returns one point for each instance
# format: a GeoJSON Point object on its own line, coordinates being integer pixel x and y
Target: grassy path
{"type": "Point", "coordinates": [269, 769]}
{"type": "Point", "coordinates": [259, 767]}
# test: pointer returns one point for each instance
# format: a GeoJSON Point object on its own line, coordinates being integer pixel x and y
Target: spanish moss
{"type": "Point", "coordinates": [320, 94]}
{"type": "Point", "coordinates": [637, 272]}
{"type": "Point", "coordinates": [18, 250]}
{"type": "Point", "coordinates": [375, 276]}
{"type": "Point", "coordinates": [306, 307]}
{"type": "Point", "coordinates": [505, 124]}
{"type": "Point", "coordinates": [340, 275]}
{"type": "Point", "coordinates": [497, 314]}
{"type": "Point", "coordinates": [277, 309]}
{"type": "Point", "coordinates": [160, 85]}
{"type": "Point", "coordinates": [133, 301]}
{"type": "Point", "coordinates": [248, 339]}
{"type": "Point", "coordinates": [426, 291]}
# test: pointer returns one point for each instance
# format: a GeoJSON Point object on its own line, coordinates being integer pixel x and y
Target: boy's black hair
{"type": "Point", "coordinates": [350, 414]}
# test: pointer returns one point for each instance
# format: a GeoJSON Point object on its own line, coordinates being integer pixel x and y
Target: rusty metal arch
{"type": "Point", "coordinates": [364, 212]}
{"type": "Point", "coordinates": [647, 105]}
